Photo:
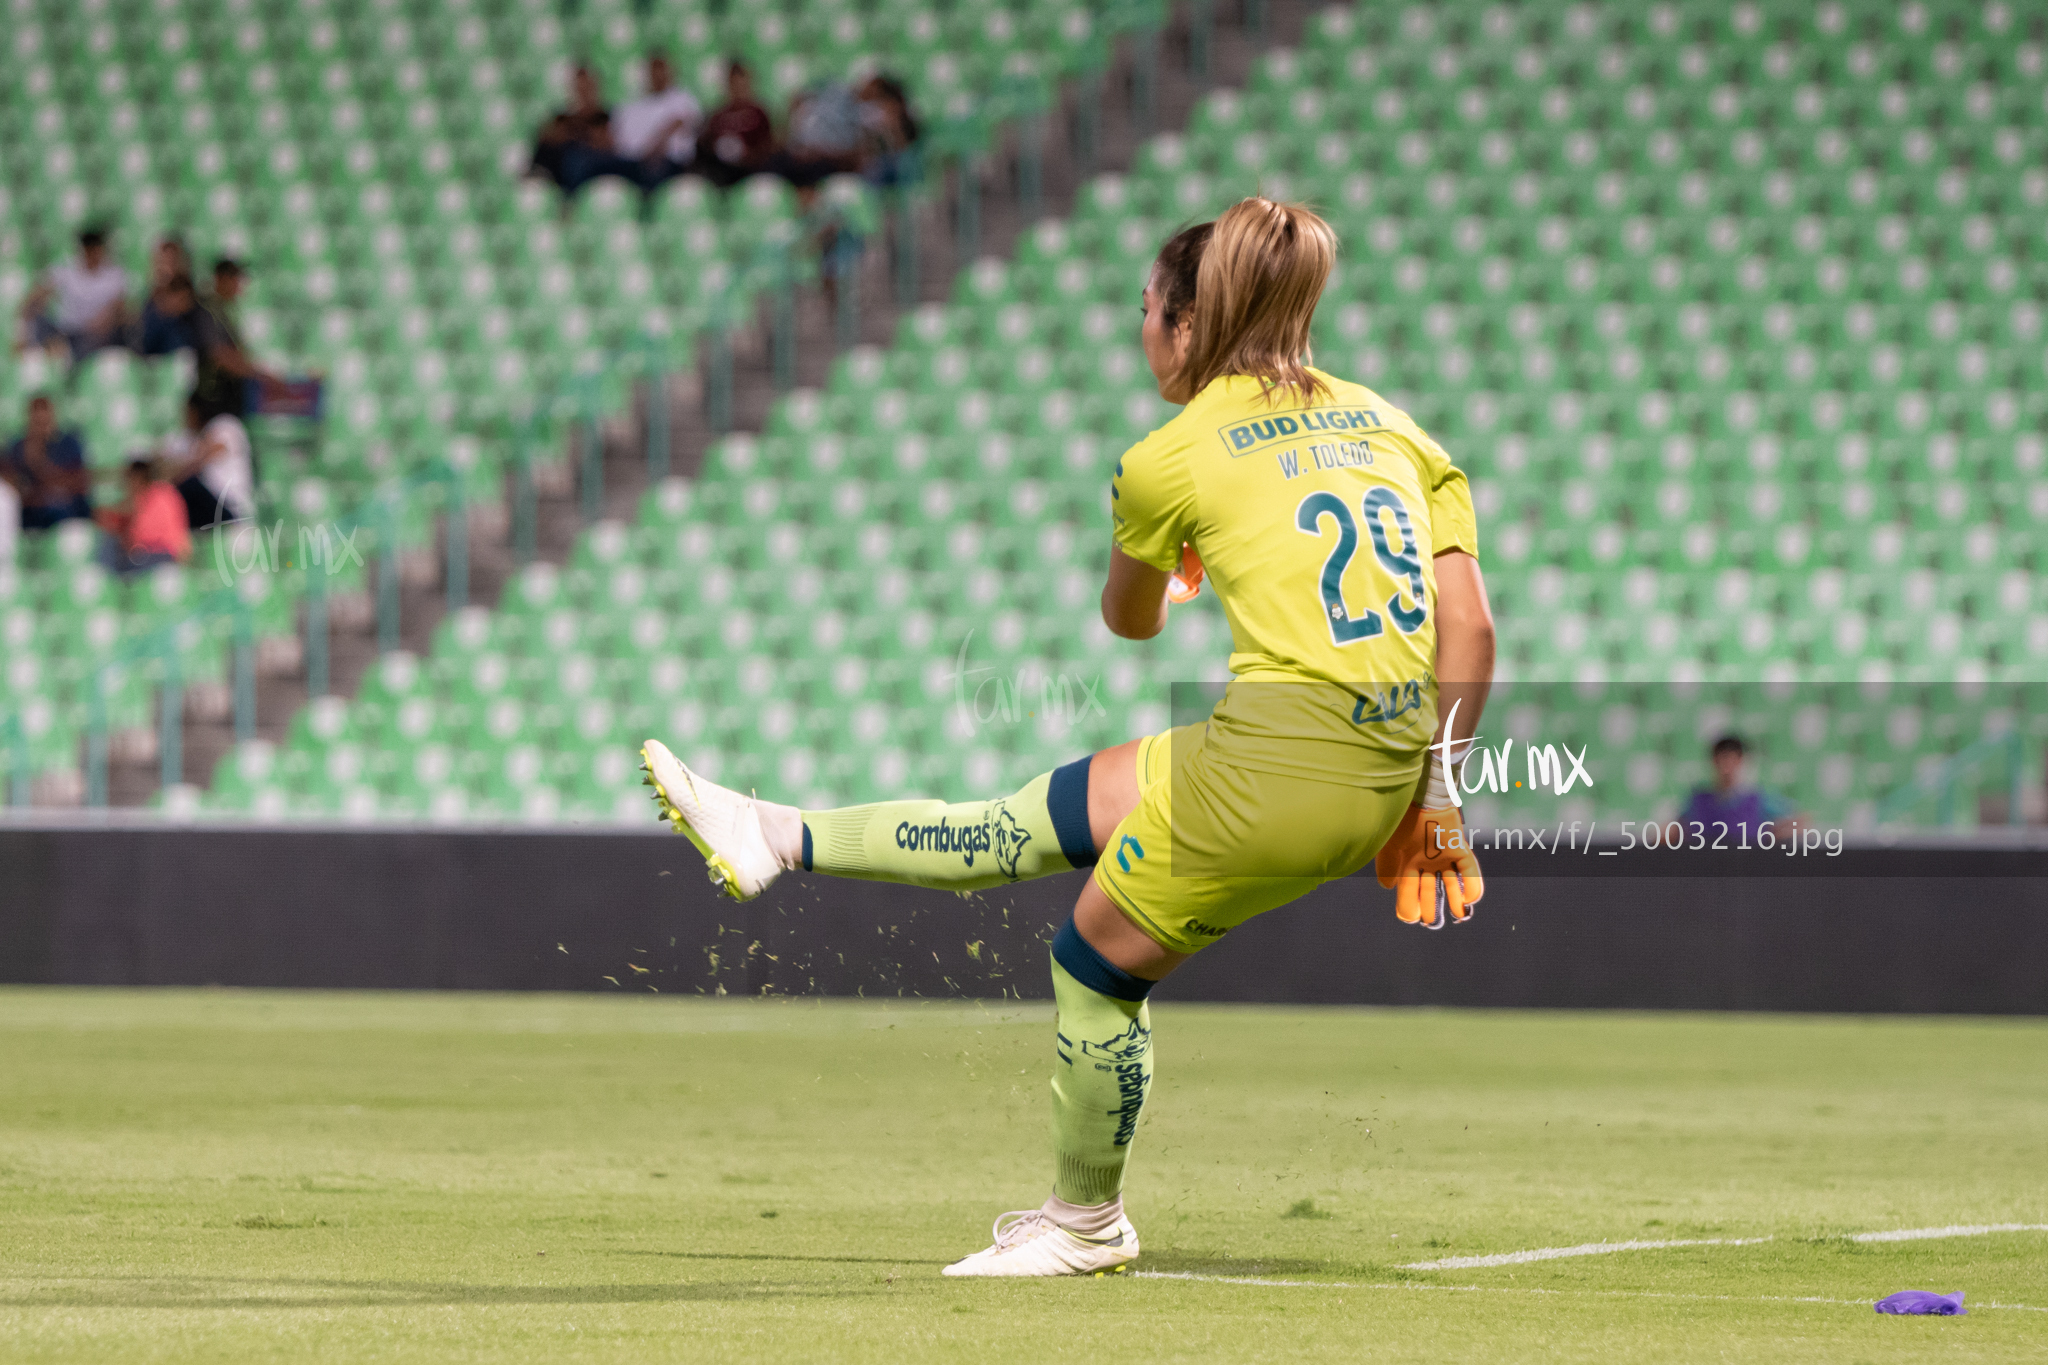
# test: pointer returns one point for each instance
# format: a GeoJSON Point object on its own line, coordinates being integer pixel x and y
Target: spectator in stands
{"type": "Point", "coordinates": [148, 527]}
{"type": "Point", "coordinates": [885, 109]}
{"type": "Point", "coordinates": [92, 302]}
{"type": "Point", "coordinates": [46, 469]}
{"type": "Point", "coordinates": [224, 366]}
{"type": "Point", "coordinates": [575, 146]}
{"type": "Point", "coordinates": [1729, 801]}
{"type": "Point", "coordinates": [739, 138]}
{"type": "Point", "coordinates": [828, 135]}
{"type": "Point", "coordinates": [659, 130]}
{"type": "Point", "coordinates": [166, 324]}
{"type": "Point", "coordinates": [212, 467]}
{"type": "Point", "coordinates": [170, 316]}
{"type": "Point", "coordinates": [837, 129]}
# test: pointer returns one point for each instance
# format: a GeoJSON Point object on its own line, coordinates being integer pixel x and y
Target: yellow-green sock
{"type": "Point", "coordinates": [1103, 1069]}
{"type": "Point", "coordinates": [1040, 829]}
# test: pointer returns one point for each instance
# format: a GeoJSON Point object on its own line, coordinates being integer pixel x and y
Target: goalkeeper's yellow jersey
{"type": "Point", "coordinates": [1317, 525]}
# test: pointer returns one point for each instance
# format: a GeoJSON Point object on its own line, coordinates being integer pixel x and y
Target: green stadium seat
{"type": "Point", "coordinates": [1576, 237]}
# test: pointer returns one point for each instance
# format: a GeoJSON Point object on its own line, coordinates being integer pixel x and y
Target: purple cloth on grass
{"type": "Point", "coordinates": [1924, 1301]}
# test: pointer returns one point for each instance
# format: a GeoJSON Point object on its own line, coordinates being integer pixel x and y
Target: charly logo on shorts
{"type": "Point", "coordinates": [999, 835]}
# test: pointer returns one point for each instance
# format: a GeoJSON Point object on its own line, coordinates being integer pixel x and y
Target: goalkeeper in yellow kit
{"type": "Point", "coordinates": [1341, 542]}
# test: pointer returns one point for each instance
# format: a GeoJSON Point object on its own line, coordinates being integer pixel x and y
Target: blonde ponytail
{"type": "Point", "coordinates": [1261, 273]}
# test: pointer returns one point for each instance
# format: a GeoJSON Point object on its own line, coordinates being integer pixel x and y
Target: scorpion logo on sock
{"type": "Point", "coordinates": [1124, 1058]}
{"type": "Point", "coordinates": [1010, 838]}
{"type": "Point", "coordinates": [1128, 1046]}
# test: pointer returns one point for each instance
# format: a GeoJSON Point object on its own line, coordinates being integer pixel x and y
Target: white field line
{"type": "Point", "coordinates": [1551, 1293]}
{"type": "Point", "coordinates": [1583, 1249]}
{"type": "Point", "coordinates": [1605, 1248]}
{"type": "Point", "coordinates": [1957, 1230]}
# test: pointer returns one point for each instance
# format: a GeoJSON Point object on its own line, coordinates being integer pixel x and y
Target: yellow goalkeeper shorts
{"type": "Point", "coordinates": [1210, 844]}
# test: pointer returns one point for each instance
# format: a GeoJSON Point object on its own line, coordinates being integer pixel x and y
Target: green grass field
{"type": "Point", "coordinates": [228, 1176]}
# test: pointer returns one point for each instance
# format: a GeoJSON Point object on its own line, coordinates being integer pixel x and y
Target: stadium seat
{"type": "Point", "coordinates": [1612, 257]}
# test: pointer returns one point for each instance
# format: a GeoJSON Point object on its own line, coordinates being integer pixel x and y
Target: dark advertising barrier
{"type": "Point", "coordinates": [1898, 929]}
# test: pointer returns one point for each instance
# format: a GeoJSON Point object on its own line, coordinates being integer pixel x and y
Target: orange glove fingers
{"type": "Point", "coordinates": [1408, 899]}
{"type": "Point", "coordinates": [1475, 884]}
{"type": "Point", "coordinates": [1455, 899]}
{"type": "Point", "coordinates": [1433, 888]}
{"type": "Point", "coordinates": [1434, 878]}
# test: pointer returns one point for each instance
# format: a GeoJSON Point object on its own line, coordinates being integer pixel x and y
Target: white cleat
{"type": "Point", "coordinates": [1032, 1244]}
{"type": "Point", "coordinates": [725, 826]}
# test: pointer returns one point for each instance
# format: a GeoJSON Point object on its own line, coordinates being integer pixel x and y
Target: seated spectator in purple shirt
{"type": "Point", "coordinates": [1743, 809]}
{"type": "Point", "coordinates": [46, 469]}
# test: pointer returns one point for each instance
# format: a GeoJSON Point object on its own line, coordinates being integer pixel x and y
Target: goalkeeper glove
{"type": "Point", "coordinates": [1433, 873]}
{"type": "Point", "coordinates": [1186, 581]}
